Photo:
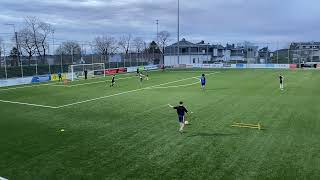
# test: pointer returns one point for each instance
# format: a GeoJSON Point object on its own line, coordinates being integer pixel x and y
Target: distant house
{"type": "Point", "coordinates": [305, 52]}
{"type": "Point", "coordinates": [200, 53]}
{"type": "Point", "coordinates": [265, 55]}
{"type": "Point", "coordinates": [189, 53]}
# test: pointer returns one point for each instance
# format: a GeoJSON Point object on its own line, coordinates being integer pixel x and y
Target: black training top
{"type": "Point", "coordinates": [181, 110]}
{"type": "Point", "coordinates": [113, 79]}
{"type": "Point", "coordinates": [281, 79]}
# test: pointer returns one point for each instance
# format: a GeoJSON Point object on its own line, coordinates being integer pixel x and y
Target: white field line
{"type": "Point", "coordinates": [29, 104]}
{"type": "Point", "coordinates": [89, 83]}
{"type": "Point", "coordinates": [94, 99]}
{"type": "Point", "coordinates": [126, 92]}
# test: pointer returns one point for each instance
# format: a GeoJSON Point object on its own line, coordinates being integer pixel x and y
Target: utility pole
{"type": "Point", "coordinates": [178, 32]}
{"type": "Point", "coordinates": [17, 45]}
{"type": "Point", "coordinates": [157, 30]}
{"type": "Point", "coordinates": [5, 61]}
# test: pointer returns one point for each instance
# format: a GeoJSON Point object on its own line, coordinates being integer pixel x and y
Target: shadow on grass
{"type": "Point", "coordinates": [210, 134]}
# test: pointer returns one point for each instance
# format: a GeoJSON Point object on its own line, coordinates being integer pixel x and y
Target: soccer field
{"type": "Point", "coordinates": [129, 132]}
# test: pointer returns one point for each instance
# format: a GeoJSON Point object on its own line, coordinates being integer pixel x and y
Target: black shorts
{"type": "Point", "coordinates": [181, 118]}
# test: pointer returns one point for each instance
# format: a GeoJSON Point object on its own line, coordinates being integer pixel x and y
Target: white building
{"type": "Point", "coordinates": [203, 53]}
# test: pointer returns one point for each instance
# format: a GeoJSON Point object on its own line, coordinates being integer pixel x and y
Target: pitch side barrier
{"type": "Point", "coordinates": [54, 77]}
{"type": "Point", "coordinates": [236, 66]}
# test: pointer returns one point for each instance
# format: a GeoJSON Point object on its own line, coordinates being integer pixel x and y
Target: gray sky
{"type": "Point", "coordinates": [211, 20]}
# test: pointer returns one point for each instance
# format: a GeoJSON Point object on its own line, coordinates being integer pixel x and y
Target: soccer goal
{"type": "Point", "coordinates": [94, 70]}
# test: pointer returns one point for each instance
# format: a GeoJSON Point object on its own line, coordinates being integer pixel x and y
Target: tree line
{"type": "Point", "coordinates": [33, 40]}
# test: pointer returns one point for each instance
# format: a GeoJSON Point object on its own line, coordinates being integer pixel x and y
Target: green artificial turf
{"type": "Point", "coordinates": [133, 135]}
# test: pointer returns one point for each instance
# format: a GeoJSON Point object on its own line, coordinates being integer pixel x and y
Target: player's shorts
{"type": "Point", "coordinates": [181, 119]}
{"type": "Point", "coordinates": [203, 84]}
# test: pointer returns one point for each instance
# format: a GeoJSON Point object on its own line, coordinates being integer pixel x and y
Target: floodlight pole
{"type": "Point", "coordinates": [17, 44]}
{"type": "Point", "coordinates": [157, 21]}
{"type": "Point", "coordinates": [5, 61]}
{"type": "Point", "coordinates": [178, 32]}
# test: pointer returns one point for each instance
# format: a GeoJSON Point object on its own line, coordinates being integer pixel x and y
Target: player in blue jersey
{"type": "Point", "coordinates": [203, 81]}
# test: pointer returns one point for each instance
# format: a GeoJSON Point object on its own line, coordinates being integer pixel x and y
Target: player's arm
{"type": "Point", "coordinates": [185, 110]}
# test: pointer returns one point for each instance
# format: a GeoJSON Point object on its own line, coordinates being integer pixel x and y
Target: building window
{"type": "Point", "coordinates": [184, 50]}
{"type": "Point", "coordinates": [194, 60]}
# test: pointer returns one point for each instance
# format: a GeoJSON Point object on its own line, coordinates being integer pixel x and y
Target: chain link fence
{"type": "Point", "coordinates": [15, 64]}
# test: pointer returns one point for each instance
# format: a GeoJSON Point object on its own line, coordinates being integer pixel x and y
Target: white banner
{"type": "Point", "coordinates": [16, 81]}
{"type": "Point", "coordinates": [131, 69]}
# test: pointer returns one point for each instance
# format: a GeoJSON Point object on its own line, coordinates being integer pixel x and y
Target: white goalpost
{"type": "Point", "coordinates": [94, 70]}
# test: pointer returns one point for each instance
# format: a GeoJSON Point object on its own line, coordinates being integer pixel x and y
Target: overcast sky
{"type": "Point", "coordinates": [211, 20]}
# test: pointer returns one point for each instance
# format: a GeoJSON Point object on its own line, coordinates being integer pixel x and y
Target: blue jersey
{"type": "Point", "coordinates": [203, 80]}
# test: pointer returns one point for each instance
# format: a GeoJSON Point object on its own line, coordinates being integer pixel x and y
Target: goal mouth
{"type": "Point", "coordinates": [79, 71]}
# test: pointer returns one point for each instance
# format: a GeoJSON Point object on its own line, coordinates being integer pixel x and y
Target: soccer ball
{"type": "Point", "coordinates": [186, 122]}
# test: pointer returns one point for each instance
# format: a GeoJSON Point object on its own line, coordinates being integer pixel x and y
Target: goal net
{"type": "Point", "coordinates": [94, 70]}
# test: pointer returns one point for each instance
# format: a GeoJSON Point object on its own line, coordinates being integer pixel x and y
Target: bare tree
{"type": "Point", "coordinates": [45, 30]}
{"type": "Point", "coordinates": [163, 40]}
{"type": "Point", "coordinates": [40, 32]}
{"type": "Point", "coordinates": [25, 40]}
{"type": "Point", "coordinates": [105, 45]}
{"type": "Point", "coordinates": [138, 43]}
{"type": "Point", "coordinates": [124, 43]}
{"type": "Point", "coordinates": [69, 48]}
